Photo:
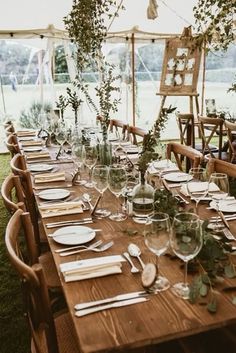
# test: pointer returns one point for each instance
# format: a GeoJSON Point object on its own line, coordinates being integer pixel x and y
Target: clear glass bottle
{"type": "Point", "coordinates": [142, 200]}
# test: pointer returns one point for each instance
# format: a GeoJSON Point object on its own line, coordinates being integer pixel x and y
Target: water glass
{"type": "Point", "coordinates": [100, 182]}
{"type": "Point", "coordinates": [117, 179]}
{"type": "Point", "coordinates": [197, 185]}
{"type": "Point", "coordinates": [186, 242]}
{"type": "Point", "coordinates": [157, 232]}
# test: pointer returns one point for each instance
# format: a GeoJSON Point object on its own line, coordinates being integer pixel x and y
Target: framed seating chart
{"type": "Point", "coordinates": [180, 66]}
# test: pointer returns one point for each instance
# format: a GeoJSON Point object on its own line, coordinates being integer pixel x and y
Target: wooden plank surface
{"type": "Point", "coordinates": [162, 318]}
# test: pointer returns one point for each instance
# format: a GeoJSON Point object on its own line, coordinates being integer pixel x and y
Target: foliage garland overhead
{"type": "Point", "coordinates": [215, 21]}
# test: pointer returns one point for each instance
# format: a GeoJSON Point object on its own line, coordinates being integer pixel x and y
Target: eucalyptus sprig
{"type": "Point", "coordinates": [151, 140]}
{"type": "Point", "coordinates": [74, 101]}
{"type": "Point", "coordinates": [61, 104]}
{"type": "Point", "coordinates": [213, 264]}
{"type": "Point", "coordinates": [215, 22]}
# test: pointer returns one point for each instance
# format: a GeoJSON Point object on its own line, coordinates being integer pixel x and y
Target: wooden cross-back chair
{"type": "Point", "coordinates": [134, 131]}
{"type": "Point", "coordinates": [180, 152]}
{"type": "Point", "coordinates": [185, 124]}
{"type": "Point", "coordinates": [9, 129]}
{"type": "Point", "coordinates": [219, 166]}
{"type": "Point", "coordinates": [120, 127]}
{"type": "Point", "coordinates": [11, 187]}
{"type": "Point", "coordinates": [12, 144]}
{"type": "Point", "coordinates": [211, 127]}
{"type": "Point", "coordinates": [49, 334]}
{"type": "Point", "coordinates": [231, 133]}
{"type": "Point", "coordinates": [12, 193]}
{"type": "Point", "coordinates": [18, 167]}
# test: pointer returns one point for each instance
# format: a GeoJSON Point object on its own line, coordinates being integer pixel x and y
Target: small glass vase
{"type": "Point", "coordinates": [142, 200]}
{"type": "Point", "coordinates": [105, 153]}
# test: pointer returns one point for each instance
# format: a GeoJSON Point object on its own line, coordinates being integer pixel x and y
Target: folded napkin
{"type": "Point", "coordinates": [91, 268]}
{"type": "Point", "coordinates": [162, 166]}
{"type": "Point", "coordinates": [195, 186]}
{"type": "Point", "coordinates": [61, 209]}
{"type": "Point", "coordinates": [31, 143]}
{"type": "Point", "coordinates": [49, 177]}
{"type": "Point", "coordinates": [37, 155]}
{"type": "Point", "coordinates": [22, 133]}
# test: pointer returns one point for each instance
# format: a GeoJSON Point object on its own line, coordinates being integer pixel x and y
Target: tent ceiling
{"type": "Point", "coordinates": [19, 16]}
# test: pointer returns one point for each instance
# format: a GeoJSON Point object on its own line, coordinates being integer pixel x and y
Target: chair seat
{"type": "Point", "coordinates": [65, 336]}
{"type": "Point", "coordinates": [224, 156]}
{"type": "Point", "coordinates": [199, 148]}
{"type": "Point", "coordinates": [50, 271]}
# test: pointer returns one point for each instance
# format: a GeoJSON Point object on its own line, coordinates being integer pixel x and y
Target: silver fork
{"type": "Point", "coordinates": [228, 234]}
{"type": "Point", "coordinates": [94, 245]}
{"type": "Point", "coordinates": [97, 249]}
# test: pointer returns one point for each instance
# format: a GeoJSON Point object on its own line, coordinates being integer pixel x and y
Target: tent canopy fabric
{"type": "Point", "coordinates": [30, 19]}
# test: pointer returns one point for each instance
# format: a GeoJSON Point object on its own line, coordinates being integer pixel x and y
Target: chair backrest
{"type": "Point", "coordinates": [12, 144]}
{"type": "Point", "coordinates": [18, 167]}
{"type": "Point", "coordinates": [118, 125]}
{"type": "Point", "coordinates": [12, 193]}
{"type": "Point", "coordinates": [134, 131]}
{"type": "Point", "coordinates": [35, 292]}
{"type": "Point", "coordinates": [9, 129]}
{"type": "Point", "coordinates": [219, 166]}
{"type": "Point", "coordinates": [179, 151]}
{"type": "Point", "coordinates": [210, 127]}
{"type": "Point", "coordinates": [185, 124]}
{"type": "Point", "coordinates": [231, 133]}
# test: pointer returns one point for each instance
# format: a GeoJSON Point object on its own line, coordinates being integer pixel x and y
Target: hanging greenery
{"type": "Point", "coordinates": [87, 27]}
{"type": "Point", "coordinates": [215, 22]}
{"type": "Point", "coordinates": [152, 140]}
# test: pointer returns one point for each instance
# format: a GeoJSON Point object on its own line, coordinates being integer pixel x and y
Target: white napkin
{"type": "Point", "coordinates": [22, 133]}
{"type": "Point", "coordinates": [37, 155]}
{"type": "Point", "coordinates": [195, 186]}
{"type": "Point", "coordinates": [91, 268]}
{"type": "Point", "coordinates": [49, 177]}
{"type": "Point", "coordinates": [60, 209]}
{"type": "Point", "coordinates": [162, 166]}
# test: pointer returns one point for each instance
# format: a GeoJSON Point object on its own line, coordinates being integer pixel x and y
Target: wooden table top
{"type": "Point", "coordinates": [162, 318]}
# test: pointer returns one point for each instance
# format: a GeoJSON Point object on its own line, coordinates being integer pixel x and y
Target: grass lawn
{"type": "Point", "coordinates": [14, 332]}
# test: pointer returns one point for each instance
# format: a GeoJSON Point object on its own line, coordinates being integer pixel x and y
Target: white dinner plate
{"type": "Point", "coordinates": [33, 149]}
{"type": "Point", "coordinates": [74, 235]}
{"type": "Point", "coordinates": [177, 177]}
{"type": "Point", "coordinates": [225, 205]}
{"type": "Point", "coordinates": [163, 164]}
{"type": "Point", "coordinates": [40, 167]}
{"type": "Point", "coordinates": [54, 194]}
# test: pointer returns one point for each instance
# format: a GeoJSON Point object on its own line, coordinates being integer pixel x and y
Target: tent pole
{"type": "Point", "coordinates": [133, 76]}
{"type": "Point", "coordinates": [203, 77]}
{"type": "Point", "coordinates": [3, 99]}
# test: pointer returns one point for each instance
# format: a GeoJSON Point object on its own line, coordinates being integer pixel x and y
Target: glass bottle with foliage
{"type": "Point", "coordinates": [143, 193]}
{"type": "Point", "coordinates": [61, 105]}
{"type": "Point", "coordinates": [75, 102]}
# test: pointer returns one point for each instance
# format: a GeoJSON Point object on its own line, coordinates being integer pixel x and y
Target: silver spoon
{"type": "Point", "coordinates": [134, 269]}
{"type": "Point", "coordinates": [86, 197]}
{"type": "Point", "coordinates": [134, 250]}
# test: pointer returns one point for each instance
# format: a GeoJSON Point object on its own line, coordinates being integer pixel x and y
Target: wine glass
{"type": "Point", "coordinates": [100, 182]}
{"type": "Point", "coordinates": [197, 185]}
{"type": "Point", "coordinates": [117, 179]}
{"type": "Point", "coordinates": [60, 134]}
{"type": "Point", "coordinates": [157, 230]}
{"type": "Point", "coordinates": [186, 242]}
{"type": "Point", "coordinates": [218, 190]}
{"type": "Point", "coordinates": [78, 155]}
{"type": "Point", "coordinates": [90, 160]}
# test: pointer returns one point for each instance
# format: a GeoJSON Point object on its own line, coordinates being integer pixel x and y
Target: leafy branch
{"type": "Point", "coordinates": [62, 104]}
{"type": "Point", "coordinates": [75, 102]}
{"type": "Point", "coordinates": [151, 141]}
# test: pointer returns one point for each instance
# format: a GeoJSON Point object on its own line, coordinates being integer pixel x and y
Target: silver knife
{"type": "Point", "coordinates": [95, 309]}
{"type": "Point", "coordinates": [78, 223]}
{"type": "Point", "coordinates": [116, 298]}
{"type": "Point", "coordinates": [70, 221]}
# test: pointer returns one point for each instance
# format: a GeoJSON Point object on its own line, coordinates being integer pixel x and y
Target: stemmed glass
{"type": "Point", "coordinates": [218, 190]}
{"type": "Point", "coordinates": [78, 155]}
{"type": "Point", "coordinates": [90, 160]}
{"type": "Point", "coordinates": [100, 182]}
{"type": "Point", "coordinates": [157, 231]}
{"type": "Point", "coordinates": [117, 179]}
{"type": "Point", "coordinates": [186, 242]}
{"type": "Point", "coordinates": [60, 134]}
{"type": "Point", "coordinates": [197, 185]}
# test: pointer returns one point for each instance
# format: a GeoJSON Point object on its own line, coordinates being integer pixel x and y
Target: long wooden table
{"type": "Point", "coordinates": [162, 318]}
